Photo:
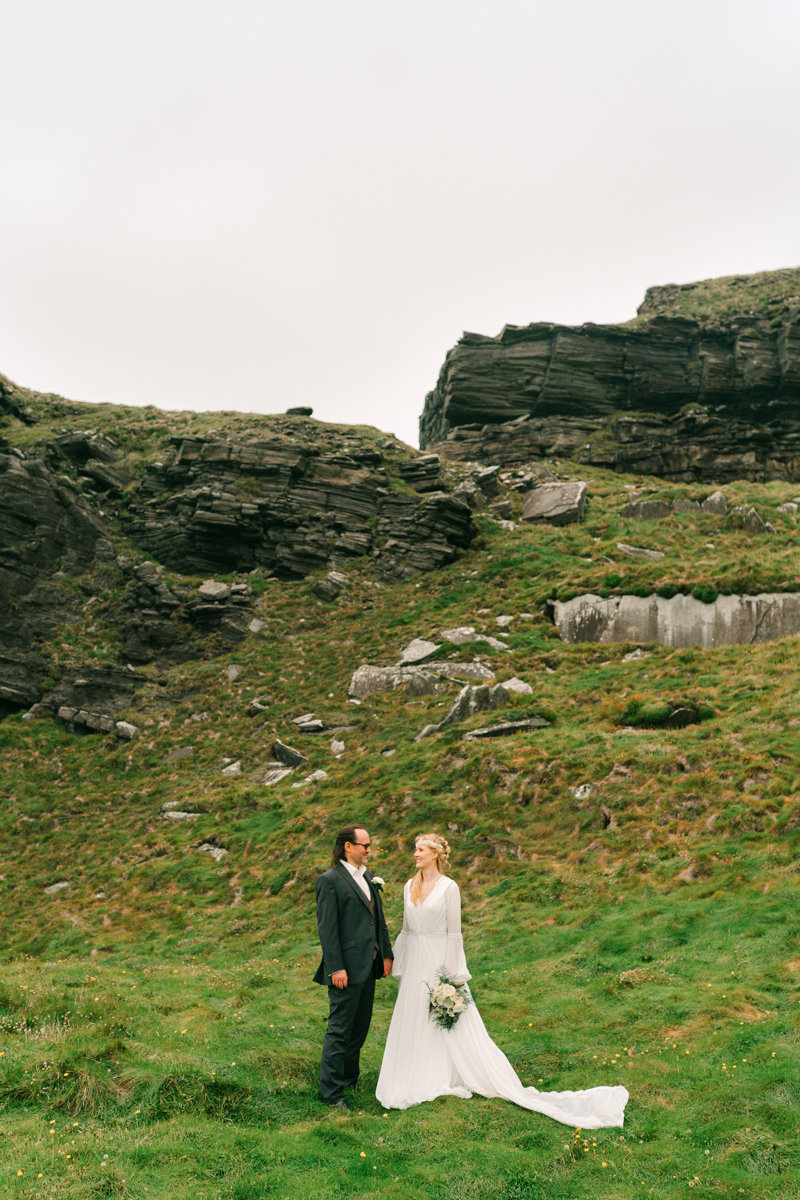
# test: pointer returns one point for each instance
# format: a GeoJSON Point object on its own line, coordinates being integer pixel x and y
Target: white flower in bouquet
{"type": "Point", "coordinates": [447, 1000]}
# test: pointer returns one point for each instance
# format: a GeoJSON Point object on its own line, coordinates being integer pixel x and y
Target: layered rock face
{"type": "Point", "coordinates": [288, 508]}
{"type": "Point", "coordinates": [705, 398]}
{"type": "Point", "coordinates": [680, 621]}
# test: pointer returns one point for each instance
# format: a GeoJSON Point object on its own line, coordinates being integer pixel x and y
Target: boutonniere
{"type": "Point", "coordinates": [379, 883]}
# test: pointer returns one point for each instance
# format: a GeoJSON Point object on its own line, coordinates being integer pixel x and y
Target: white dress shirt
{"type": "Point", "coordinates": [358, 875]}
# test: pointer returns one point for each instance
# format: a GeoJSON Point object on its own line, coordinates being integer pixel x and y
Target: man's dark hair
{"type": "Point", "coordinates": [348, 834]}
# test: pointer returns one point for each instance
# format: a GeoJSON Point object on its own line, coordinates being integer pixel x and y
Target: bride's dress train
{"type": "Point", "coordinates": [422, 1061]}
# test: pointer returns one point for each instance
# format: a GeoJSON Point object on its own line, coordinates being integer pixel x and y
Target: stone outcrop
{"type": "Point", "coordinates": [45, 526]}
{"type": "Point", "coordinates": [468, 701]}
{"type": "Point", "coordinates": [290, 509]}
{"type": "Point", "coordinates": [709, 397]}
{"type": "Point", "coordinates": [555, 503]}
{"type": "Point", "coordinates": [417, 680]}
{"type": "Point", "coordinates": [681, 621]}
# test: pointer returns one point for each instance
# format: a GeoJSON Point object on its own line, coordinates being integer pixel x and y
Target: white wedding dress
{"type": "Point", "coordinates": [422, 1061]}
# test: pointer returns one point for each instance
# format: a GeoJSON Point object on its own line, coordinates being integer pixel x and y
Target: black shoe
{"type": "Point", "coordinates": [342, 1106]}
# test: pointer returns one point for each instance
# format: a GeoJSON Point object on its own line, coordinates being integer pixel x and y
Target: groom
{"type": "Point", "coordinates": [355, 952]}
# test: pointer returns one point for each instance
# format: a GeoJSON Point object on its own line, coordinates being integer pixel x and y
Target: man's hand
{"type": "Point", "coordinates": [339, 979]}
{"type": "Point", "coordinates": [387, 967]}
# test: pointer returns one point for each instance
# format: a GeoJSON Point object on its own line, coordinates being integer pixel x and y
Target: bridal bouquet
{"type": "Point", "coordinates": [447, 1001]}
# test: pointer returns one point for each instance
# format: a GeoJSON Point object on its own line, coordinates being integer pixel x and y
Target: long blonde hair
{"type": "Point", "coordinates": [441, 848]}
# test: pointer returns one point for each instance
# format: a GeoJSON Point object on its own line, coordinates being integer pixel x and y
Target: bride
{"type": "Point", "coordinates": [422, 1060]}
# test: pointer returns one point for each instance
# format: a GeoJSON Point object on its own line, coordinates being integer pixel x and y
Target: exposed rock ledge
{"type": "Point", "coordinates": [707, 397]}
{"type": "Point", "coordinates": [222, 506]}
{"type": "Point", "coordinates": [681, 621]}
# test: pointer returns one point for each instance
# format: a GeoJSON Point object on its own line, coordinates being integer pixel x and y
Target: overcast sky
{"type": "Point", "coordinates": [252, 205]}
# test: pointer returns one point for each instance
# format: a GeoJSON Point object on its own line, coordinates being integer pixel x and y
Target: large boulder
{"type": "Point", "coordinates": [556, 503]}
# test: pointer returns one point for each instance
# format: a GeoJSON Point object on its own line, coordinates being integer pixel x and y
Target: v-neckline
{"type": "Point", "coordinates": [433, 889]}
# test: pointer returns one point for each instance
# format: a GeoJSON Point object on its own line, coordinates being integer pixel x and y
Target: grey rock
{"type": "Point", "coordinates": [645, 510]}
{"type": "Point", "coordinates": [288, 755]}
{"type": "Point", "coordinates": [233, 671]}
{"type": "Point", "coordinates": [274, 775]}
{"type": "Point", "coordinates": [257, 706]}
{"type": "Point", "coordinates": [105, 478]}
{"type": "Point", "coordinates": [337, 747]}
{"type": "Point", "coordinates": [299, 410]}
{"type": "Point", "coordinates": [314, 777]}
{"type": "Point", "coordinates": [83, 720]}
{"type": "Point", "coordinates": [56, 887]}
{"type": "Point", "coordinates": [488, 480]}
{"type": "Point", "coordinates": [331, 587]}
{"type": "Point", "coordinates": [752, 522]}
{"type": "Point", "coordinates": [680, 621]}
{"type": "Point", "coordinates": [214, 589]}
{"type": "Point", "coordinates": [471, 494]}
{"type": "Point", "coordinates": [508, 727]}
{"type": "Point", "coordinates": [460, 635]}
{"type": "Point", "coordinates": [519, 686]}
{"type": "Point", "coordinates": [420, 683]}
{"type": "Point", "coordinates": [424, 473]}
{"type": "Point", "coordinates": [638, 551]}
{"type": "Point", "coordinates": [126, 731]}
{"type": "Point", "coordinates": [466, 633]}
{"type": "Point", "coordinates": [475, 671]}
{"type": "Point", "coordinates": [634, 656]}
{"type": "Point", "coordinates": [504, 620]}
{"type": "Point", "coordinates": [556, 503]}
{"type": "Point", "coordinates": [685, 506]}
{"type": "Point", "coordinates": [504, 511]}
{"type": "Point", "coordinates": [418, 650]}
{"type": "Point", "coordinates": [175, 815]}
{"type": "Point", "coordinates": [216, 852]}
{"type": "Point", "coordinates": [789, 508]}
{"type": "Point", "coordinates": [367, 680]}
{"type": "Point", "coordinates": [81, 446]}
{"type": "Point", "coordinates": [234, 768]}
{"type": "Point", "coordinates": [256, 625]}
{"type": "Point", "coordinates": [583, 791]}
{"type": "Point", "coordinates": [716, 504]}
{"type": "Point", "coordinates": [468, 701]}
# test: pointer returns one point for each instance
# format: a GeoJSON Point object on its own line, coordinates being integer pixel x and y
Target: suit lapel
{"type": "Point", "coordinates": [351, 880]}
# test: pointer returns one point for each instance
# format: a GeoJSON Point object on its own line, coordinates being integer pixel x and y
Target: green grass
{"type": "Point", "coordinates": [764, 295]}
{"type": "Point", "coordinates": [195, 1073]}
{"type": "Point", "coordinates": [160, 1009]}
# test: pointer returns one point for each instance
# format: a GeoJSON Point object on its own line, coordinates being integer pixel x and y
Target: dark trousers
{"type": "Point", "coordinates": [348, 1025]}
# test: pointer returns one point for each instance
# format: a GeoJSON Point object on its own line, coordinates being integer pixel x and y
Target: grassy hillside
{"type": "Point", "coordinates": [159, 1031]}
{"type": "Point", "coordinates": [764, 294]}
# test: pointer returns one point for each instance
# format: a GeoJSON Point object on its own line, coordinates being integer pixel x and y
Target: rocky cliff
{"type": "Point", "coordinates": [703, 385]}
{"type": "Point", "coordinates": [110, 511]}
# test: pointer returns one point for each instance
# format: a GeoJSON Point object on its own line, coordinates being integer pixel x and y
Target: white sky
{"type": "Point", "coordinates": [253, 204]}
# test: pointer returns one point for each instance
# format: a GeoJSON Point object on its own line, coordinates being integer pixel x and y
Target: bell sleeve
{"type": "Point", "coordinates": [455, 963]}
{"type": "Point", "coordinates": [399, 947]}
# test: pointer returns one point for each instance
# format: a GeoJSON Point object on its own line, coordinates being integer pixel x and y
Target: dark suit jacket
{"type": "Point", "coordinates": [347, 930]}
